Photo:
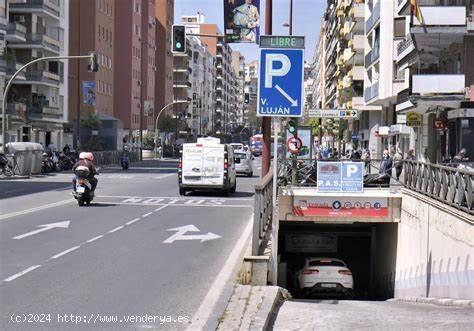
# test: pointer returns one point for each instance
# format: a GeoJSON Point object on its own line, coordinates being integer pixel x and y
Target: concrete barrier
{"type": "Point", "coordinates": [435, 250]}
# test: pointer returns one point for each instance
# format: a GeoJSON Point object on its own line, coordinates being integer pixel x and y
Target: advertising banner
{"type": "Point", "coordinates": [341, 207]}
{"type": "Point", "coordinates": [88, 93]}
{"type": "Point", "coordinates": [242, 21]}
{"type": "Point", "coordinates": [310, 243]}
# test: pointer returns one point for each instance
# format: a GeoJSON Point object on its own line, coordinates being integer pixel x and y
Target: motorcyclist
{"type": "Point", "coordinates": [86, 159]}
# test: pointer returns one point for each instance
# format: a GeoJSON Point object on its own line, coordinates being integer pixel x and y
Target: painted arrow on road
{"type": "Point", "coordinates": [181, 234]}
{"type": "Point", "coordinates": [294, 103]}
{"type": "Point", "coordinates": [44, 227]}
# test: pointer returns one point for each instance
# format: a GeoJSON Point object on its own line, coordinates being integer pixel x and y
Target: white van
{"type": "Point", "coordinates": [207, 164]}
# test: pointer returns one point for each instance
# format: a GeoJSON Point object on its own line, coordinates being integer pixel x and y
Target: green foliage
{"type": "Point", "coordinates": [167, 123]}
{"type": "Point", "coordinates": [92, 122]}
{"type": "Point", "coordinates": [149, 141]}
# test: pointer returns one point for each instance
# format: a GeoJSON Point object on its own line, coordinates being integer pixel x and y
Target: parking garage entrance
{"type": "Point", "coordinates": [361, 230]}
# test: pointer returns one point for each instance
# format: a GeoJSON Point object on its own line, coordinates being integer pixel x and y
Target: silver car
{"type": "Point", "coordinates": [243, 162]}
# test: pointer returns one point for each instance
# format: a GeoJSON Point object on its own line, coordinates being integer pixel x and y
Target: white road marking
{"type": "Point", "coordinates": [173, 205]}
{"type": "Point", "coordinates": [21, 273]}
{"type": "Point", "coordinates": [64, 252]}
{"type": "Point", "coordinates": [32, 210]}
{"type": "Point", "coordinates": [132, 221]}
{"type": "Point", "coordinates": [147, 214]}
{"type": "Point", "coordinates": [44, 227]}
{"type": "Point", "coordinates": [116, 229]}
{"type": "Point", "coordinates": [202, 315]}
{"type": "Point", "coordinates": [174, 198]}
{"type": "Point", "coordinates": [95, 238]}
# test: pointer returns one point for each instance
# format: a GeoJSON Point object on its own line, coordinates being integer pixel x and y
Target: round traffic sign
{"type": "Point", "coordinates": [294, 145]}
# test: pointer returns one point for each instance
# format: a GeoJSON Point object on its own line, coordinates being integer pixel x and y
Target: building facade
{"type": "Point", "coordinates": [92, 28]}
{"type": "Point", "coordinates": [37, 99]}
{"type": "Point", "coordinates": [164, 57]}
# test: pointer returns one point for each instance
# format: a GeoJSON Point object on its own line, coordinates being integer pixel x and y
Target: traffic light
{"type": "Point", "coordinates": [178, 39]}
{"type": "Point", "coordinates": [247, 98]}
{"type": "Point", "coordinates": [292, 127]}
{"type": "Point", "coordinates": [93, 65]}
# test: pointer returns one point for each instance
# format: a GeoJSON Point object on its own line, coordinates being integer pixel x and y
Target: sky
{"type": "Point", "coordinates": [307, 16]}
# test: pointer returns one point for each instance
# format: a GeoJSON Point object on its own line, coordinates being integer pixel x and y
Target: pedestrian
{"type": "Point", "coordinates": [386, 167]}
{"type": "Point", "coordinates": [461, 156]}
{"type": "Point", "coordinates": [411, 155]}
{"type": "Point", "coordinates": [66, 149]}
{"type": "Point", "coordinates": [366, 158]}
{"type": "Point", "coordinates": [398, 163]}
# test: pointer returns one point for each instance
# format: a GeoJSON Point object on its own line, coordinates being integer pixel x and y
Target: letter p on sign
{"type": "Point", "coordinates": [351, 170]}
{"type": "Point", "coordinates": [271, 71]}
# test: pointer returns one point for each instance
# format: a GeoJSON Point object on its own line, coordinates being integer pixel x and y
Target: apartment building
{"type": "Point", "coordinates": [36, 103]}
{"type": "Point", "coordinates": [435, 57]}
{"type": "Point", "coordinates": [238, 71]}
{"type": "Point", "coordinates": [164, 57]}
{"type": "Point", "coordinates": [92, 28]}
{"type": "Point", "coordinates": [224, 97]}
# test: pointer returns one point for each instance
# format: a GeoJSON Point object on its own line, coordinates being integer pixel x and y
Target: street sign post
{"type": "Point", "coordinates": [333, 113]}
{"type": "Point", "coordinates": [280, 87]}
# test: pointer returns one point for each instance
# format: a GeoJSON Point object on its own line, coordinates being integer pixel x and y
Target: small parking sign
{"type": "Point", "coordinates": [352, 179]}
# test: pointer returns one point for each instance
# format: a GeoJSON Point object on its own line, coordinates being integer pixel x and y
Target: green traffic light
{"type": "Point", "coordinates": [178, 45]}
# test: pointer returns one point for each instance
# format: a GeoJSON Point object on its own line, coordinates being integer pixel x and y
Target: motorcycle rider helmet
{"type": "Point", "coordinates": [90, 156]}
{"type": "Point", "coordinates": [82, 155]}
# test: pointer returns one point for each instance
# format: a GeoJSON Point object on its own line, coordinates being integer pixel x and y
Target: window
{"type": "Point", "coordinates": [110, 63]}
{"type": "Point", "coordinates": [399, 28]}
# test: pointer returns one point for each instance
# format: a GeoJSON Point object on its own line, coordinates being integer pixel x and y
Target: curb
{"type": "Point", "coordinates": [15, 177]}
{"type": "Point", "coordinates": [447, 302]}
{"type": "Point", "coordinates": [266, 316]}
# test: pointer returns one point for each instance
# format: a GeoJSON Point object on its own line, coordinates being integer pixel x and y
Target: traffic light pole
{"type": "Point", "coordinates": [7, 88]}
{"type": "Point", "coordinates": [158, 116]}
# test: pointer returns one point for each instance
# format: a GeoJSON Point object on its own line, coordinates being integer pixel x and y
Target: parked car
{"type": "Point", "coordinates": [243, 162]}
{"type": "Point", "coordinates": [237, 146]}
{"type": "Point", "coordinates": [325, 276]}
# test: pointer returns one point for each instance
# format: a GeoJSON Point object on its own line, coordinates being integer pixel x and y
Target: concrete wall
{"type": "Point", "coordinates": [435, 247]}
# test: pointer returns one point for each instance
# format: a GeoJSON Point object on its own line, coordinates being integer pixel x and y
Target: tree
{"type": "Point", "coordinates": [167, 124]}
{"type": "Point", "coordinates": [149, 141]}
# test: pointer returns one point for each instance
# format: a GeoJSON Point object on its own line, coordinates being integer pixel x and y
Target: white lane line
{"type": "Point", "coordinates": [116, 229]}
{"type": "Point", "coordinates": [175, 198]}
{"type": "Point", "coordinates": [94, 239]}
{"type": "Point", "coordinates": [31, 210]}
{"type": "Point", "coordinates": [21, 273]}
{"type": "Point", "coordinates": [133, 221]}
{"type": "Point", "coordinates": [147, 214]}
{"type": "Point", "coordinates": [160, 208]}
{"type": "Point", "coordinates": [64, 252]}
{"type": "Point", "coordinates": [204, 312]}
{"type": "Point", "coordinates": [173, 205]}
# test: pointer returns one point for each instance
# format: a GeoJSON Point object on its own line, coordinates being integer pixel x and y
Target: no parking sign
{"type": "Point", "coordinates": [294, 145]}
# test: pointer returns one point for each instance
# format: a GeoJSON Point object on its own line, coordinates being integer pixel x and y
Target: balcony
{"type": "Point", "coordinates": [182, 84]}
{"type": "Point", "coordinates": [16, 32]}
{"type": "Point", "coordinates": [405, 48]}
{"type": "Point", "coordinates": [442, 16]}
{"type": "Point", "coordinates": [371, 92]}
{"type": "Point", "coordinates": [438, 84]}
{"type": "Point", "coordinates": [46, 110]}
{"type": "Point", "coordinates": [373, 19]}
{"type": "Point", "coordinates": [372, 56]}
{"type": "Point", "coordinates": [45, 8]}
{"type": "Point", "coordinates": [42, 78]}
{"type": "Point", "coordinates": [38, 41]}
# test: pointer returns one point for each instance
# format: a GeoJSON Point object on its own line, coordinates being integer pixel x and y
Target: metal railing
{"type": "Point", "coordinates": [372, 56]}
{"type": "Point", "coordinates": [371, 92]}
{"type": "Point", "coordinates": [263, 214]}
{"type": "Point", "coordinates": [113, 157]}
{"type": "Point", "coordinates": [374, 18]}
{"type": "Point", "coordinates": [449, 185]}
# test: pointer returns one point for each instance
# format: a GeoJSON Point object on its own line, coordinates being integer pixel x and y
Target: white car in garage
{"type": "Point", "coordinates": [325, 276]}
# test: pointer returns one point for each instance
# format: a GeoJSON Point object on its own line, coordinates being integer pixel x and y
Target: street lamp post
{"type": "Point", "coordinates": [158, 116]}
{"type": "Point", "coordinates": [7, 88]}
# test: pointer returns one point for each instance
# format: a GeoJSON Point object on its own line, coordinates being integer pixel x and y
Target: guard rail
{"type": "Point", "coordinates": [262, 214]}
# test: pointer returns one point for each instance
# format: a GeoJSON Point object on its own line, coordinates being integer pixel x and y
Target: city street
{"type": "Point", "coordinates": [139, 250]}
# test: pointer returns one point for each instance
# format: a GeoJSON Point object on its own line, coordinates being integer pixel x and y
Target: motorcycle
{"type": "Point", "coordinates": [83, 193]}
{"type": "Point", "coordinates": [5, 167]}
{"type": "Point", "coordinates": [125, 161]}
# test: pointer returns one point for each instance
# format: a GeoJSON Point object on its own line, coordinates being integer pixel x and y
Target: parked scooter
{"type": "Point", "coordinates": [377, 180]}
{"type": "Point", "coordinates": [125, 161]}
{"type": "Point", "coordinates": [83, 193]}
{"type": "Point", "coordinates": [5, 167]}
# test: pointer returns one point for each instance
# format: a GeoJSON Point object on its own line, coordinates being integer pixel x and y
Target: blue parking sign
{"type": "Point", "coordinates": [280, 86]}
{"type": "Point", "coordinates": [352, 178]}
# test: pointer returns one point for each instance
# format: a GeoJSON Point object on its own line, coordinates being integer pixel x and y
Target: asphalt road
{"type": "Point", "coordinates": [117, 264]}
